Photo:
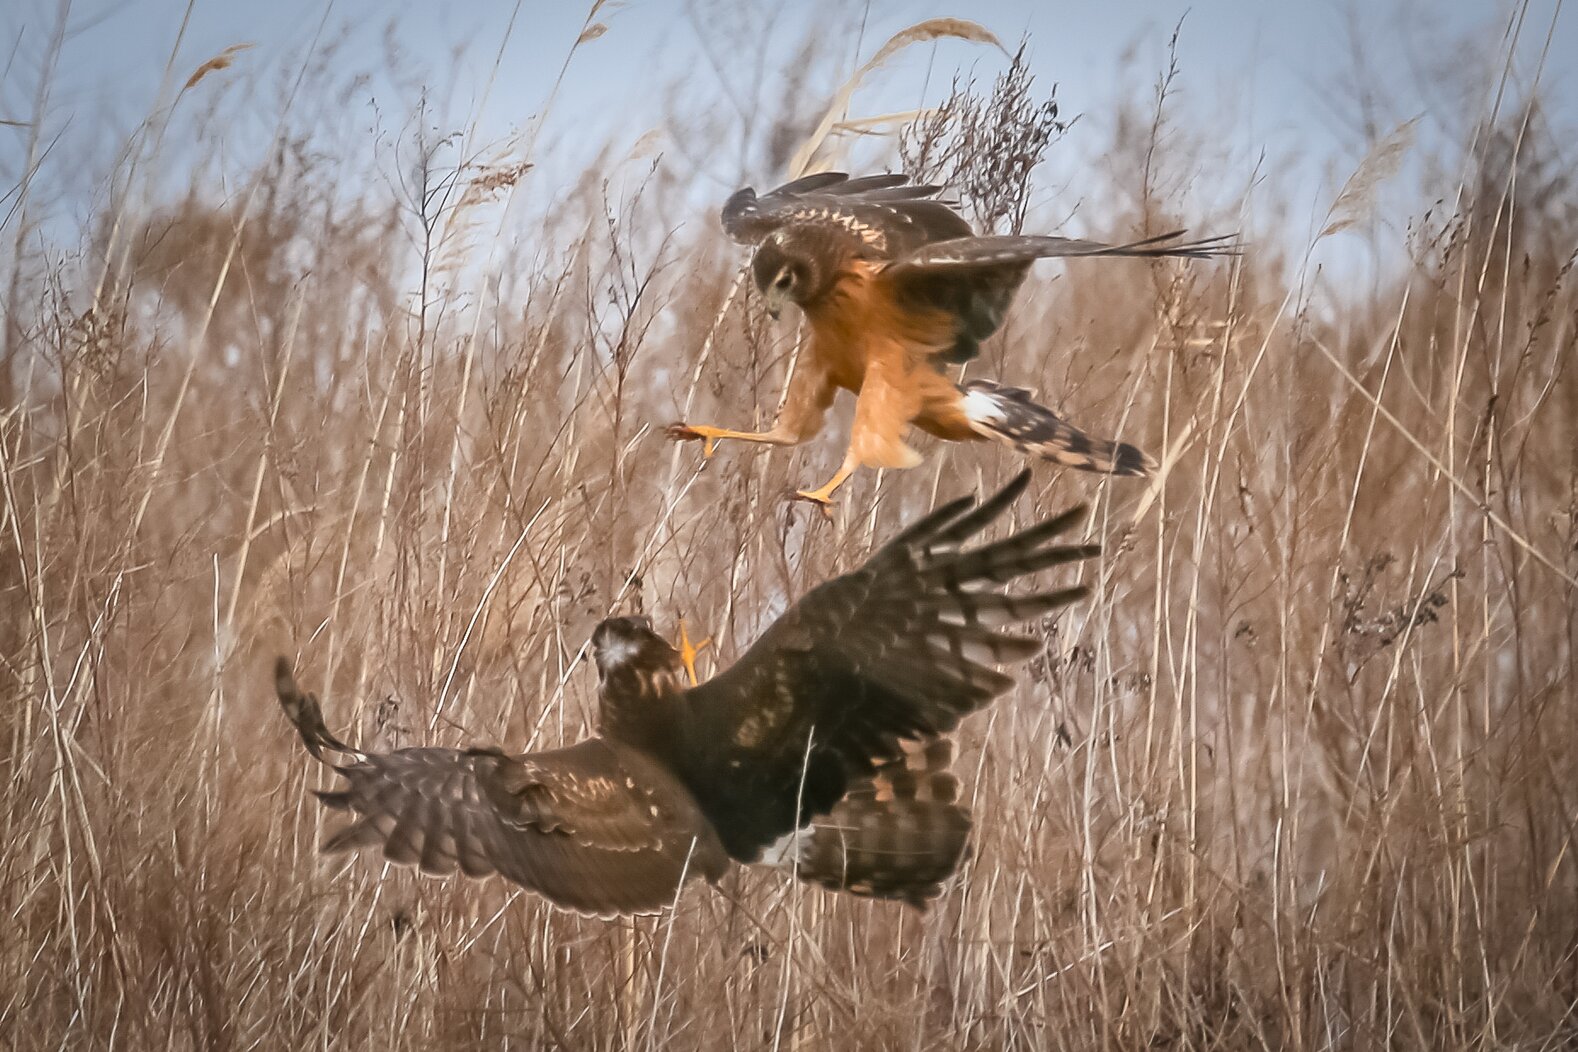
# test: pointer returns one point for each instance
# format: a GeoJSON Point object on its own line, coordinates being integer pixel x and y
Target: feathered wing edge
{"type": "Point", "coordinates": [948, 601]}
{"type": "Point", "coordinates": [481, 812]}
{"type": "Point", "coordinates": [914, 634]}
{"type": "Point", "coordinates": [902, 833]}
{"type": "Point", "coordinates": [833, 196]}
{"type": "Point", "coordinates": [306, 715]}
{"type": "Point", "coordinates": [899, 834]}
{"type": "Point", "coordinates": [977, 252]}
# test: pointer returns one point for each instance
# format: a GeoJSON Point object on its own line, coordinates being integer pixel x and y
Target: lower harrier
{"type": "Point", "coordinates": [824, 748]}
{"type": "Point", "coordinates": [896, 286]}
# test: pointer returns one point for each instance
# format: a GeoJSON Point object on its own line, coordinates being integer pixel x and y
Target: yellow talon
{"type": "Point", "coordinates": [822, 498]}
{"type": "Point", "coordinates": [823, 495]}
{"type": "Point", "coordinates": [688, 652]}
{"type": "Point", "coordinates": [688, 432]}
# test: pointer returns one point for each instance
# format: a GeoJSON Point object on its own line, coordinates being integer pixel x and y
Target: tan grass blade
{"type": "Point", "coordinates": [1356, 201]}
{"type": "Point", "coordinates": [649, 145]}
{"type": "Point", "coordinates": [863, 124]}
{"type": "Point", "coordinates": [217, 63]}
{"type": "Point", "coordinates": [920, 32]}
{"type": "Point", "coordinates": [1175, 452]}
{"type": "Point", "coordinates": [1443, 470]}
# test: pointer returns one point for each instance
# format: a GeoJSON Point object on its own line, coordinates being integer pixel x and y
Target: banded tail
{"type": "Point", "coordinates": [900, 834]}
{"type": "Point", "coordinates": [1008, 415]}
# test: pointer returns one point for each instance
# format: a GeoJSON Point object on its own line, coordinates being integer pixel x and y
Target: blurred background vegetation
{"type": "Point", "coordinates": [307, 361]}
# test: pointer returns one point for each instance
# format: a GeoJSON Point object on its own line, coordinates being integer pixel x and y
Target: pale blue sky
{"type": "Point", "coordinates": [1263, 76]}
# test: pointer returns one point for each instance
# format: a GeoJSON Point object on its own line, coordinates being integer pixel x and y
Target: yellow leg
{"type": "Point", "coordinates": [710, 436]}
{"type": "Point", "coordinates": [805, 402]}
{"type": "Point", "coordinates": [823, 495]}
{"type": "Point", "coordinates": [688, 652]}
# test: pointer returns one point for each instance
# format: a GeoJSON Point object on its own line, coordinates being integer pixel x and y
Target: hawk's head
{"type": "Point", "coordinates": [635, 668]}
{"type": "Point", "coordinates": [796, 265]}
{"type": "Point", "coordinates": [620, 642]}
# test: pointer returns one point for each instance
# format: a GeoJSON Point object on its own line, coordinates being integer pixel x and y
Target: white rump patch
{"type": "Point", "coordinates": [788, 850]}
{"type": "Point", "coordinates": [982, 407]}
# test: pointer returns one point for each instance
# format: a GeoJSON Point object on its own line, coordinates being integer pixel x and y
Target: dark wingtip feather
{"type": "Point", "coordinates": [1079, 552]}
{"type": "Point", "coordinates": [334, 801]}
{"type": "Point", "coordinates": [357, 835]}
{"type": "Point", "coordinates": [960, 518]}
{"type": "Point", "coordinates": [937, 520]}
{"type": "Point", "coordinates": [1170, 246]}
{"type": "Point", "coordinates": [1075, 593]}
{"type": "Point", "coordinates": [809, 183]}
{"type": "Point", "coordinates": [1059, 523]}
{"type": "Point", "coordinates": [1132, 461]}
{"type": "Point", "coordinates": [1201, 248]}
{"type": "Point", "coordinates": [977, 520]}
{"type": "Point", "coordinates": [869, 183]}
{"type": "Point", "coordinates": [1220, 245]}
{"type": "Point", "coordinates": [740, 204]}
{"type": "Point", "coordinates": [301, 708]}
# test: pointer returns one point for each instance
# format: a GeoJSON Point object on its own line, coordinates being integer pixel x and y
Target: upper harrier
{"type": "Point", "coordinates": [823, 748]}
{"type": "Point", "coordinates": [896, 286]}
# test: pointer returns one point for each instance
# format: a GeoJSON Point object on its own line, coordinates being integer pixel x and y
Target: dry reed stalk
{"type": "Point", "coordinates": [1299, 778]}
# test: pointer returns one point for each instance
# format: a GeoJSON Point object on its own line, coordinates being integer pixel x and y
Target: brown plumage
{"type": "Point", "coordinates": [899, 834]}
{"type": "Point", "coordinates": [823, 748]}
{"type": "Point", "coordinates": [896, 287]}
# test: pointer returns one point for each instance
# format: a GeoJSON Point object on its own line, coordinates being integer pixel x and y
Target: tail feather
{"type": "Point", "coordinates": [898, 834]}
{"type": "Point", "coordinates": [1010, 416]}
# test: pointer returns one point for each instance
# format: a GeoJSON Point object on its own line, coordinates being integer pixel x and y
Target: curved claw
{"type": "Point", "coordinates": [822, 498]}
{"type": "Point", "coordinates": [688, 652]}
{"type": "Point", "coordinates": [683, 432]}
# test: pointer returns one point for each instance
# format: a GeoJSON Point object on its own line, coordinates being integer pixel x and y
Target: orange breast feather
{"type": "Point", "coordinates": [860, 321]}
{"type": "Point", "coordinates": [861, 333]}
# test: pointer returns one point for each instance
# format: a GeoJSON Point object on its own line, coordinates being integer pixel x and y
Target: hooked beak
{"type": "Point", "coordinates": [775, 302]}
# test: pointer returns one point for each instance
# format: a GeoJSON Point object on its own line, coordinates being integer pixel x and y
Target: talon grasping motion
{"type": "Point", "coordinates": [689, 652]}
{"type": "Point", "coordinates": [896, 286]}
{"type": "Point", "coordinates": [824, 747]}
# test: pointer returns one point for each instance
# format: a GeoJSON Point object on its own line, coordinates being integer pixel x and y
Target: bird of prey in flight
{"type": "Point", "coordinates": [824, 748]}
{"type": "Point", "coordinates": [896, 288]}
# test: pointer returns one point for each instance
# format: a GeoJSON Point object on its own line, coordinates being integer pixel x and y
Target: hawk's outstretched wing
{"type": "Point", "coordinates": [885, 212]}
{"type": "Point", "coordinates": [900, 648]}
{"type": "Point", "coordinates": [974, 279]}
{"type": "Point", "coordinates": [598, 827]}
{"type": "Point", "coordinates": [963, 254]}
{"type": "Point", "coordinates": [825, 741]}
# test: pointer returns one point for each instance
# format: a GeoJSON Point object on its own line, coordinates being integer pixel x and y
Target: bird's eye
{"type": "Point", "coordinates": [784, 280]}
